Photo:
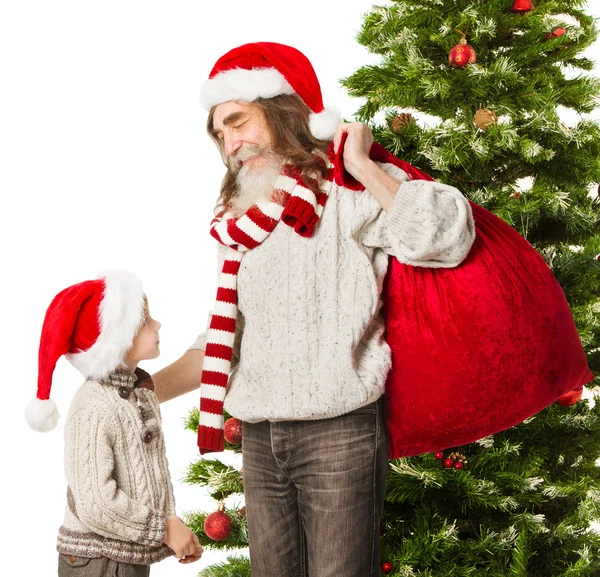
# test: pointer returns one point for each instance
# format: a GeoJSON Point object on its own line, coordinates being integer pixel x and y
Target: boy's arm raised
{"type": "Point", "coordinates": [179, 377]}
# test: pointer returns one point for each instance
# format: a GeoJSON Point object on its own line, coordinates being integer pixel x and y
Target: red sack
{"type": "Point", "coordinates": [477, 348]}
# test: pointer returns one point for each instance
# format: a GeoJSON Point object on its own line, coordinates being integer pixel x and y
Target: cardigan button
{"type": "Point", "coordinates": [147, 437]}
{"type": "Point", "coordinates": [72, 559]}
{"type": "Point", "coordinates": [123, 392]}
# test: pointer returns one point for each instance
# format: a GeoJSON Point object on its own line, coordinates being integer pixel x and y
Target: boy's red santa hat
{"type": "Point", "coordinates": [265, 70]}
{"type": "Point", "coordinates": [92, 323]}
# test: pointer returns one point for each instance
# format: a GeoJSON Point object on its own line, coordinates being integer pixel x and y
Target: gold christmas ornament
{"type": "Point", "coordinates": [484, 118]}
{"type": "Point", "coordinates": [399, 121]}
{"type": "Point", "coordinates": [456, 456]}
{"type": "Point", "coordinates": [456, 460]}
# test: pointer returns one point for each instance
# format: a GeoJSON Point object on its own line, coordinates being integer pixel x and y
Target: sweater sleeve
{"type": "Point", "coordinates": [429, 224]}
{"type": "Point", "coordinates": [99, 503]}
{"type": "Point", "coordinates": [200, 342]}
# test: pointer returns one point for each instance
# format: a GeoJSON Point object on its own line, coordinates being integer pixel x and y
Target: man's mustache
{"type": "Point", "coordinates": [236, 160]}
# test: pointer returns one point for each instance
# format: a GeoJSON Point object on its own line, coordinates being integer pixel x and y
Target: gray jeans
{"type": "Point", "coordinates": [314, 494]}
{"type": "Point", "coordinates": [72, 566]}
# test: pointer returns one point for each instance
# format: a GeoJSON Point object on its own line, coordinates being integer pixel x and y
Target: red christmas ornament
{"type": "Point", "coordinates": [386, 568]}
{"type": "Point", "coordinates": [557, 32]}
{"type": "Point", "coordinates": [571, 397]}
{"type": "Point", "coordinates": [233, 431]}
{"type": "Point", "coordinates": [439, 455]}
{"type": "Point", "coordinates": [381, 529]}
{"type": "Point", "coordinates": [448, 463]}
{"type": "Point", "coordinates": [458, 465]}
{"type": "Point", "coordinates": [523, 6]}
{"type": "Point", "coordinates": [217, 525]}
{"type": "Point", "coordinates": [462, 54]}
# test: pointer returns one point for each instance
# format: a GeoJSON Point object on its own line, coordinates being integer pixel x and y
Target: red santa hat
{"type": "Point", "coordinates": [265, 70]}
{"type": "Point", "coordinates": [92, 323]}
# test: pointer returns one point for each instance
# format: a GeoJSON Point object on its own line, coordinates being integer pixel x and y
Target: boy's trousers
{"type": "Point", "coordinates": [72, 566]}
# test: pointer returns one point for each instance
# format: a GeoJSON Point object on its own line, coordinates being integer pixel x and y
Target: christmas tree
{"type": "Point", "coordinates": [223, 528]}
{"type": "Point", "coordinates": [472, 92]}
{"type": "Point", "coordinates": [476, 92]}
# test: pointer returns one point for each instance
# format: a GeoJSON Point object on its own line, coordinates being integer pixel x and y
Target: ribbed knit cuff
{"type": "Point", "coordinates": [210, 440]}
{"type": "Point", "coordinates": [409, 216]}
{"type": "Point", "coordinates": [155, 531]}
{"type": "Point", "coordinates": [300, 215]}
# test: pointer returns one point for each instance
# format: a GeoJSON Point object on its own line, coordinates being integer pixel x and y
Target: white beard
{"type": "Point", "coordinates": [255, 184]}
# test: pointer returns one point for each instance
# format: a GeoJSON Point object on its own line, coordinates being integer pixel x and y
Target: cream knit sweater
{"type": "Point", "coordinates": [119, 489]}
{"type": "Point", "coordinates": [309, 338]}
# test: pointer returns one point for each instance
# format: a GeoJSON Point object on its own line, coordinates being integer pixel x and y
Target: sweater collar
{"type": "Point", "coordinates": [125, 378]}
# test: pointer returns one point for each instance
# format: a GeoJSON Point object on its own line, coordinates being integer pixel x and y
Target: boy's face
{"type": "Point", "coordinates": [146, 342]}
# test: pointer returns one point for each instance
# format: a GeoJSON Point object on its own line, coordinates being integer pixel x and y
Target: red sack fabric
{"type": "Point", "coordinates": [477, 348]}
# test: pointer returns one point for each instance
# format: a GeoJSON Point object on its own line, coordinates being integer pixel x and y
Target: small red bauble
{"type": "Point", "coordinates": [217, 525]}
{"type": "Point", "coordinates": [233, 431]}
{"type": "Point", "coordinates": [462, 54]}
{"type": "Point", "coordinates": [523, 6]}
{"type": "Point", "coordinates": [381, 529]}
{"type": "Point", "coordinates": [386, 568]}
{"type": "Point", "coordinates": [558, 32]}
{"type": "Point", "coordinates": [448, 463]}
{"type": "Point", "coordinates": [571, 397]}
{"type": "Point", "coordinates": [439, 455]}
{"type": "Point", "coordinates": [458, 465]}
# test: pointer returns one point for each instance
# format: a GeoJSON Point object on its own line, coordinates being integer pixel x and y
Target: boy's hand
{"type": "Point", "coordinates": [193, 558]}
{"type": "Point", "coordinates": [180, 539]}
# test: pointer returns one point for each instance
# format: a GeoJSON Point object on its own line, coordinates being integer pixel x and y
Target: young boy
{"type": "Point", "coordinates": [120, 515]}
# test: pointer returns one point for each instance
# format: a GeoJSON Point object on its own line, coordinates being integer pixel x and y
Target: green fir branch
{"type": "Point", "coordinates": [221, 480]}
{"type": "Point", "coordinates": [233, 567]}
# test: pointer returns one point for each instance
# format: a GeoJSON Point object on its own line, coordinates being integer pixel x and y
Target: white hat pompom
{"type": "Point", "coordinates": [323, 125]}
{"type": "Point", "coordinates": [41, 415]}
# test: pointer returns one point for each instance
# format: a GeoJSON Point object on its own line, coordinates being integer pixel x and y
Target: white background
{"type": "Point", "coordinates": [105, 163]}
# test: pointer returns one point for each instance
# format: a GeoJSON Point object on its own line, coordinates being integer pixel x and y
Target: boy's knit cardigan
{"type": "Point", "coordinates": [119, 489]}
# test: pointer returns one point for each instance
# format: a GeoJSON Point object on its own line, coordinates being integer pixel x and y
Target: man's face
{"type": "Point", "coordinates": [243, 130]}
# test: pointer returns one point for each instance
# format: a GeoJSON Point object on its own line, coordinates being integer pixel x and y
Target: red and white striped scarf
{"type": "Point", "coordinates": [296, 205]}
